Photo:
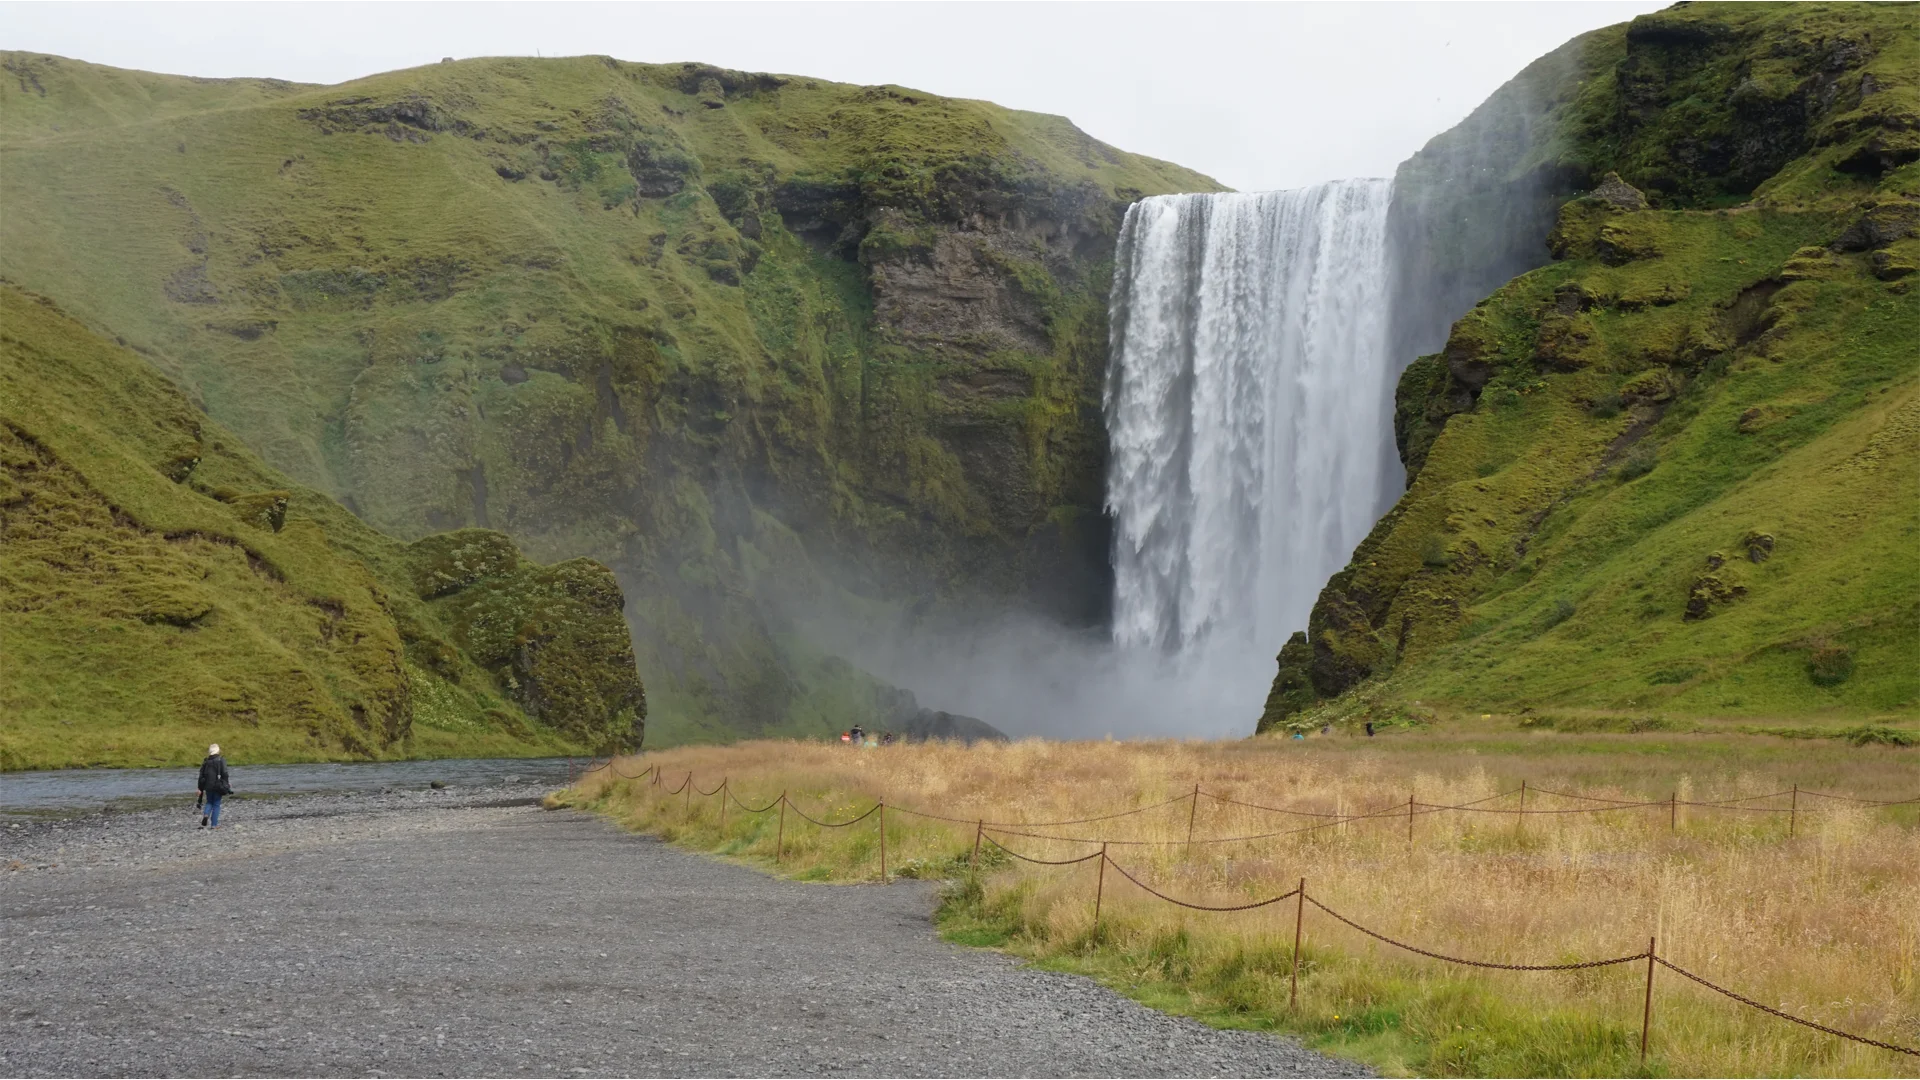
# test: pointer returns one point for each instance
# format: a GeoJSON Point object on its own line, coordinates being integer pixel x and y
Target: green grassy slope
{"type": "Point", "coordinates": [718, 330]}
{"type": "Point", "coordinates": [1678, 467]}
{"type": "Point", "coordinates": [161, 588]}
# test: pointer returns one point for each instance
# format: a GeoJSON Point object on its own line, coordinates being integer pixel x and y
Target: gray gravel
{"type": "Point", "coordinates": [468, 932]}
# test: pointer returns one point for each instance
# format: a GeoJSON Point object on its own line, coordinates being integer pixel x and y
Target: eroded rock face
{"type": "Point", "coordinates": [1880, 225]}
{"type": "Point", "coordinates": [1292, 687]}
{"type": "Point", "coordinates": [1345, 648]}
{"type": "Point", "coordinates": [555, 638]}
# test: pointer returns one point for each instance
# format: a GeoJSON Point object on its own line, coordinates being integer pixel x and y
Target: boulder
{"type": "Point", "coordinates": [1880, 225]}
{"type": "Point", "coordinates": [929, 725]}
{"type": "Point", "coordinates": [1618, 194]}
{"type": "Point", "coordinates": [903, 715]}
{"type": "Point", "coordinates": [1712, 590]}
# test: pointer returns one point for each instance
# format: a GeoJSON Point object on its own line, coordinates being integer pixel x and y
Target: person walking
{"type": "Point", "coordinates": [214, 786]}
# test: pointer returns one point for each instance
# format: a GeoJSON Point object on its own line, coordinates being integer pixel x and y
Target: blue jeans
{"type": "Point", "coordinates": [213, 809]}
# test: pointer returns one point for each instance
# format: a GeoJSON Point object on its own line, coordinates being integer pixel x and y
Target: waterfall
{"type": "Point", "coordinates": [1249, 407]}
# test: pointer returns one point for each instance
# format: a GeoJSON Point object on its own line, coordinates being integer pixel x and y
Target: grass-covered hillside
{"type": "Point", "coordinates": [1677, 467]}
{"type": "Point", "coordinates": [161, 587]}
{"type": "Point", "coordinates": [732, 334]}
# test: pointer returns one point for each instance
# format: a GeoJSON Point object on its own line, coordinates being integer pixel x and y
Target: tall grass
{"type": "Point", "coordinates": [1825, 925]}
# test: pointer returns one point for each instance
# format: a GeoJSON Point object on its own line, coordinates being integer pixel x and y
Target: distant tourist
{"type": "Point", "coordinates": [1369, 729]}
{"type": "Point", "coordinates": [214, 786]}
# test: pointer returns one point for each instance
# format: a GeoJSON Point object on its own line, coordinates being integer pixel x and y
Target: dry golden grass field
{"type": "Point", "coordinates": [1823, 925]}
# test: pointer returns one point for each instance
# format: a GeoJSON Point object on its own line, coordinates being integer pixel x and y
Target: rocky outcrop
{"type": "Point", "coordinates": [554, 638]}
{"type": "Point", "coordinates": [1881, 224]}
{"type": "Point", "coordinates": [1292, 687]}
{"type": "Point", "coordinates": [901, 714]}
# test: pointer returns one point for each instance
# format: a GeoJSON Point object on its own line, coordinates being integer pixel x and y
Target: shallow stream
{"type": "Point", "coordinates": [68, 791]}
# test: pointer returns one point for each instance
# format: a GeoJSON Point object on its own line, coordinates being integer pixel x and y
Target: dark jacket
{"type": "Point", "coordinates": [213, 776]}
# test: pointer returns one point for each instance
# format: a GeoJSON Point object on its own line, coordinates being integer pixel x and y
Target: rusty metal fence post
{"type": "Point", "coordinates": [1099, 888]}
{"type": "Point", "coordinates": [780, 835]}
{"type": "Point", "coordinates": [883, 843]}
{"type": "Point", "coordinates": [1191, 811]}
{"type": "Point", "coordinates": [723, 804]}
{"type": "Point", "coordinates": [1646, 1013]}
{"type": "Point", "coordinates": [979, 827]}
{"type": "Point", "coordinates": [1299, 913]}
{"type": "Point", "coordinates": [1409, 817]}
{"type": "Point", "coordinates": [1793, 811]}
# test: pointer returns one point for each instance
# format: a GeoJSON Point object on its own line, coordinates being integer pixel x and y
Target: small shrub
{"type": "Point", "coordinates": [1433, 551]}
{"type": "Point", "coordinates": [1881, 735]}
{"type": "Point", "coordinates": [1606, 407]}
{"type": "Point", "coordinates": [1560, 612]}
{"type": "Point", "coordinates": [1639, 462]}
{"type": "Point", "coordinates": [1486, 469]}
{"type": "Point", "coordinates": [1830, 664]}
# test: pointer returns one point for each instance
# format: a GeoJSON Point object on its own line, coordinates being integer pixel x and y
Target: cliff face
{"type": "Point", "coordinates": [1673, 465]}
{"type": "Point", "coordinates": [162, 588]}
{"type": "Point", "coordinates": [750, 340]}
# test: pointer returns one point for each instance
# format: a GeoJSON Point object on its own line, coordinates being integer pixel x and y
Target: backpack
{"type": "Point", "coordinates": [213, 777]}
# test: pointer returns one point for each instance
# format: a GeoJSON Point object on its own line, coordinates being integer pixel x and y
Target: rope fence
{"type": "Point", "coordinates": [989, 832]}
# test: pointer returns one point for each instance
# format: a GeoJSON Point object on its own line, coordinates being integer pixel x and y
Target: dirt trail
{"type": "Point", "coordinates": [447, 934]}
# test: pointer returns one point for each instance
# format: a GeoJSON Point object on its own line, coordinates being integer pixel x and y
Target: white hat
{"type": "Point", "coordinates": [214, 750]}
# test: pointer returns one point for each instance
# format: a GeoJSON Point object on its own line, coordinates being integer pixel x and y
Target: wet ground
{"type": "Point", "coordinates": [63, 792]}
{"type": "Point", "coordinates": [466, 931]}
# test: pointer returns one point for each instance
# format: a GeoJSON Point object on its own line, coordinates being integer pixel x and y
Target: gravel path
{"type": "Point", "coordinates": [472, 933]}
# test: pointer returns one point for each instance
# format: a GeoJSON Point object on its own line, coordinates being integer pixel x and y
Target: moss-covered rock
{"type": "Point", "coordinates": [1292, 691]}
{"type": "Point", "coordinates": [554, 638]}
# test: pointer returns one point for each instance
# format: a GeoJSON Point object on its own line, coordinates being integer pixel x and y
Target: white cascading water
{"type": "Point", "coordinates": [1249, 411]}
{"type": "Point", "coordinates": [1250, 418]}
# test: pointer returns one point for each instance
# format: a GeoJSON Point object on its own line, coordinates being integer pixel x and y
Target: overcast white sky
{"type": "Point", "coordinates": [1256, 95]}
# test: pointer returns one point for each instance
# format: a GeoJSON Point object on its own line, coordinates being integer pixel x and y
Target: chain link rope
{"type": "Point", "coordinates": [1039, 862]}
{"type": "Point", "coordinates": [1745, 1000]}
{"type": "Point", "coordinates": [1474, 963]}
{"type": "Point", "coordinates": [1288, 895]}
{"type": "Point", "coordinates": [875, 808]}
